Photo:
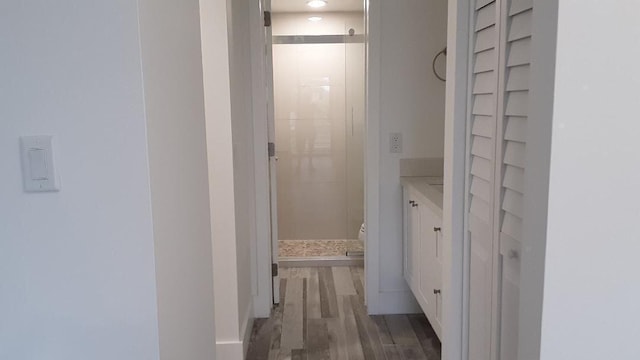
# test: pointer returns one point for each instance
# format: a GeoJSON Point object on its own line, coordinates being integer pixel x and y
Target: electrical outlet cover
{"type": "Point", "coordinates": [395, 143]}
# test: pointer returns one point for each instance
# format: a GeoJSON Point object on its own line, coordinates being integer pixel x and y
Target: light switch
{"type": "Point", "coordinates": [38, 171]}
{"type": "Point", "coordinates": [38, 164]}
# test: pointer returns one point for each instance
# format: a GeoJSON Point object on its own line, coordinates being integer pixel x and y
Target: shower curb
{"type": "Point", "coordinates": [319, 261]}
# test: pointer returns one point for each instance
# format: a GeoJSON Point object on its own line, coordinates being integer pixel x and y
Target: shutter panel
{"type": "Point", "coordinates": [517, 50]}
{"type": "Point", "coordinates": [481, 177]}
{"type": "Point", "coordinates": [499, 96]}
{"type": "Point", "coordinates": [516, 110]}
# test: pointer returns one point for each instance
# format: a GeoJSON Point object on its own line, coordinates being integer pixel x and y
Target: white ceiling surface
{"type": "Point", "coordinates": [297, 6]}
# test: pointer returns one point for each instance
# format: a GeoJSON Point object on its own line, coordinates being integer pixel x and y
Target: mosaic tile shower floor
{"type": "Point", "coordinates": [314, 248]}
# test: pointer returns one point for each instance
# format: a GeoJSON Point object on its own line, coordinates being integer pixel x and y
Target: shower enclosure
{"type": "Point", "coordinates": [319, 121]}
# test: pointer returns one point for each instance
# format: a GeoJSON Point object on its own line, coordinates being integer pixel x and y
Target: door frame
{"type": "Point", "coordinates": [262, 249]}
{"type": "Point", "coordinates": [456, 246]}
{"type": "Point", "coordinates": [455, 249]}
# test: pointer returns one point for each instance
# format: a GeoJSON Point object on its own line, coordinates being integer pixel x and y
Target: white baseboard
{"type": "Point", "coordinates": [262, 304]}
{"type": "Point", "coordinates": [231, 350]}
{"type": "Point", "coordinates": [237, 349]}
{"type": "Point", "coordinates": [397, 302]}
{"type": "Point", "coordinates": [246, 330]}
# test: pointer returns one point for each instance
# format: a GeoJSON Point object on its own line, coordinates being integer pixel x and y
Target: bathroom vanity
{"type": "Point", "coordinates": [422, 243]}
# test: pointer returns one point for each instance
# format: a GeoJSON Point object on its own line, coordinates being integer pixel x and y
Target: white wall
{"type": "Point", "coordinates": [174, 105]}
{"type": "Point", "coordinates": [411, 101]}
{"type": "Point", "coordinates": [118, 264]}
{"type": "Point", "coordinates": [243, 157]}
{"type": "Point", "coordinates": [591, 289]}
{"type": "Point", "coordinates": [77, 276]}
{"type": "Point", "coordinates": [227, 83]}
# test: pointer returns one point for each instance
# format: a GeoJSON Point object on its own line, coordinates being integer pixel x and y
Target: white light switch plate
{"type": "Point", "coordinates": [38, 170]}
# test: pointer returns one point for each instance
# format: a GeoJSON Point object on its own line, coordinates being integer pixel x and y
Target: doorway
{"type": "Point", "coordinates": [318, 83]}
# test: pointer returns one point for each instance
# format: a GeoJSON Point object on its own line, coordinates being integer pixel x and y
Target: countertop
{"type": "Point", "coordinates": [428, 186]}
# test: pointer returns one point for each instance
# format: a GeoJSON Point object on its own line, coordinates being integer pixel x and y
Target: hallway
{"type": "Point", "coordinates": [322, 316]}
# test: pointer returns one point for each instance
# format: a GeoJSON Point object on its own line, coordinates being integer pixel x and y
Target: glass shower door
{"type": "Point", "coordinates": [355, 116]}
{"type": "Point", "coordinates": [319, 121]}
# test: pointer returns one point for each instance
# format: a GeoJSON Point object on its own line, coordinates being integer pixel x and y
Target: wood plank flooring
{"type": "Point", "coordinates": [322, 316]}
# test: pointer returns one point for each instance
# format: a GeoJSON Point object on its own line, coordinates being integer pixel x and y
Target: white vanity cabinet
{"type": "Point", "coordinates": [423, 252]}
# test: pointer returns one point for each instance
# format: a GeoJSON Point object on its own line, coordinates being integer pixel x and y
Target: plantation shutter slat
{"type": "Point", "coordinates": [481, 209]}
{"type": "Point", "coordinates": [516, 129]}
{"type": "Point", "coordinates": [485, 16]}
{"type": "Point", "coordinates": [483, 126]}
{"type": "Point", "coordinates": [520, 26]}
{"type": "Point", "coordinates": [518, 6]}
{"type": "Point", "coordinates": [485, 83]}
{"type": "Point", "coordinates": [484, 105]}
{"type": "Point", "coordinates": [481, 188]}
{"type": "Point", "coordinates": [485, 39]}
{"type": "Point", "coordinates": [482, 168]}
{"type": "Point", "coordinates": [512, 225]}
{"type": "Point", "coordinates": [512, 202]}
{"type": "Point", "coordinates": [482, 3]}
{"type": "Point", "coordinates": [484, 61]}
{"type": "Point", "coordinates": [518, 78]}
{"type": "Point", "coordinates": [482, 147]}
{"type": "Point", "coordinates": [519, 52]}
{"type": "Point", "coordinates": [517, 103]}
{"type": "Point", "coordinates": [514, 179]}
{"type": "Point", "coordinates": [515, 154]}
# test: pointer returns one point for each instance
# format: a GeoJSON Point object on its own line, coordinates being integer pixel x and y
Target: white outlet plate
{"type": "Point", "coordinates": [395, 143]}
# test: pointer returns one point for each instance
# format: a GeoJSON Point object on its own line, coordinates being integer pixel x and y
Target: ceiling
{"type": "Point", "coordinates": [280, 6]}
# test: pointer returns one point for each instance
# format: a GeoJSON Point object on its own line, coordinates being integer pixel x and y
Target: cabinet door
{"type": "Point", "coordinates": [431, 266]}
{"type": "Point", "coordinates": [412, 241]}
{"type": "Point", "coordinates": [426, 260]}
{"type": "Point", "coordinates": [406, 210]}
{"type": "Point", "coordinates": [436, 274]}
{"type": "Point", "coordinates": [410, 225]}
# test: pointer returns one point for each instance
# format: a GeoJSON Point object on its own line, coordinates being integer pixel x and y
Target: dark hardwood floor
{"type": "Point", "coordinates": [322, 316]}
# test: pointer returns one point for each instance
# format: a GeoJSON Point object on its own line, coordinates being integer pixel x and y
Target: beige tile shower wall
{"type": "Point", "coordinates": [319, 191]}
{"type": "Point", "coordinates": [331, 23]}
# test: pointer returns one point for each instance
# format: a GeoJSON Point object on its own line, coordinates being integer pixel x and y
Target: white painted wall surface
{"type": "Point", "coordinates": [226, 70]}
{"type": "Point", "coordinates": [411, 102]}
{"type": "Point", "coordinates": [174, 106]}
{"type": "Point", "coordinates": [243, 159]}
{"type": "Point", "coordinates": [592, 288]}
{"type": "Point", "coordinates": [76, 267]}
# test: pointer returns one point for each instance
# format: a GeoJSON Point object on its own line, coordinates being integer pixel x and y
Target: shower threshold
{"type": "Point", "coordinates": [317, 261]}
{"type": "Point", "coordinates": [328, 252]}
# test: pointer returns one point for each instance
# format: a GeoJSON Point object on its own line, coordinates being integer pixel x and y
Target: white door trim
{"type": "Point", "coordinates": [455, 270]}
{"type": "Point", "coordinates": [261, 250]}
{"type": "Point", "coordinates": [372, 156]}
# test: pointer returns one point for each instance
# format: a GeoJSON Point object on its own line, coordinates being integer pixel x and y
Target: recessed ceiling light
{"type": "Point", "coordinates": [315, 18]}
{"type": "Point", "coordinates": [317, 3]}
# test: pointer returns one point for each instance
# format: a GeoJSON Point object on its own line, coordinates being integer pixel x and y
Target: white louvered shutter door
{"type": "Point", "coordinates": [515, 63]}
{"type": "Point", "coordinates": [481, 152]}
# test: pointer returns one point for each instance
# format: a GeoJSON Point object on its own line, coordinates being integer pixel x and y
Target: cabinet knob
{"type": "Point", "coordinates": [436, 229]}
{"type": "Point", "coordinates": [436, 291]}
{"type": "Point", "coordinates": [414, 204]}
{"type": "Point", "coordinates": [411, 202]}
